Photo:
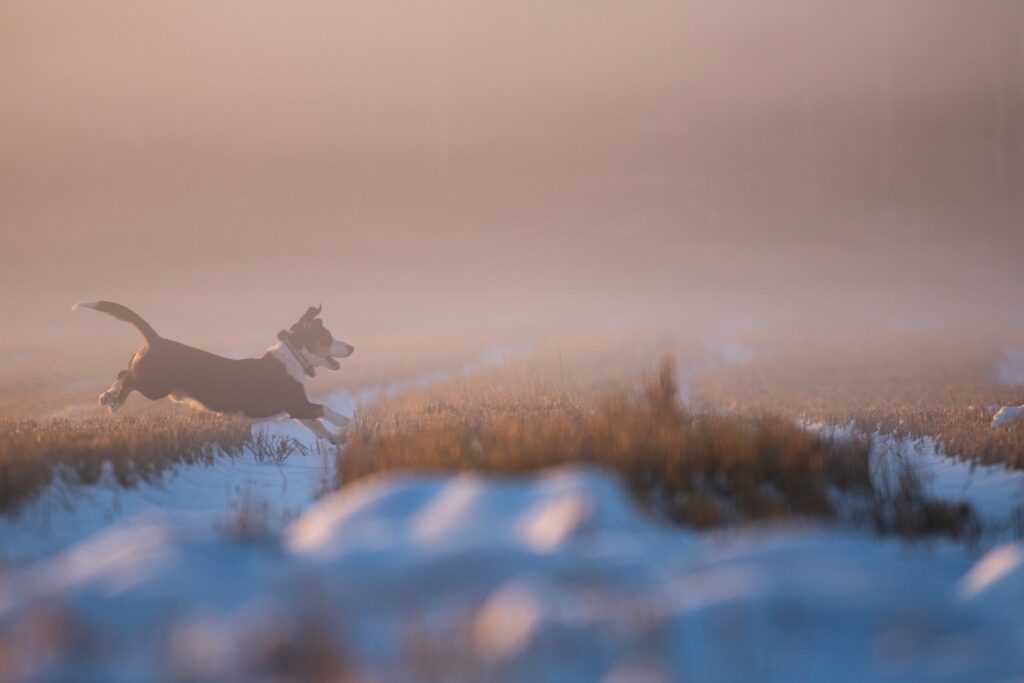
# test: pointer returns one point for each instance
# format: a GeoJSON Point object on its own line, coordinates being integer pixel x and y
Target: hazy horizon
{"type": "Point", "coordinates": [456, 165]}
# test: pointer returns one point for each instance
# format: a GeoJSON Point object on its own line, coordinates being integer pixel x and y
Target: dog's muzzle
{"type": "Point", "coordinates": [340, 349]}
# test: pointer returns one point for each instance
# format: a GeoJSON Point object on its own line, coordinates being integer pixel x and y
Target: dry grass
{"type": "Point", "coordinates": [33, 453]}
{"type": "Point", "coordinates": [915, 385]}
{"type": "Point", "coordinates": [695, 469]}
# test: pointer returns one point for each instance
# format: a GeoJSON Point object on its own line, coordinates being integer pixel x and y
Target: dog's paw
{"type": "Point", "coordinates": [338, 440]}
{"type": "Point", "coordinates": [108, 400]}
{"type": "Point", "coordinates": [326, 436]}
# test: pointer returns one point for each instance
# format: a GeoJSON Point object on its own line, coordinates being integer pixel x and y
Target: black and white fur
{"type": "Point", "coordinates": [256, 388]}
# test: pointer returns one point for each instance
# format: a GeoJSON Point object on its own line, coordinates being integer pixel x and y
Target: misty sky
{"type": "Point", "coordinates": [422, 165]}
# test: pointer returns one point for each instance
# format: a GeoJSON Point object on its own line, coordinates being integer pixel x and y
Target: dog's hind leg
{"type": "Point", "coordinates": [114, 397]}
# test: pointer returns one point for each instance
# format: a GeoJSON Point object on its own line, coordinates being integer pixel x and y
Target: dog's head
{"type": "Point", "coordinates": [316, 343]}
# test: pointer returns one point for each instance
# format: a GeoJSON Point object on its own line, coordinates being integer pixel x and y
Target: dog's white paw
{"type": "Point", "coordinates": [108, 399]}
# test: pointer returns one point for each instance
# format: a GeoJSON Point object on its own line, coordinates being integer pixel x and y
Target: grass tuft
{"type": "Point", "coordinates": [695, 469]}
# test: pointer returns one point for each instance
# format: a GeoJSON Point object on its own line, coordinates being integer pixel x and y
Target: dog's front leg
{"type": "Point", "coordinates": [114, 397]}
{"type": "Point", "coordinates": [320, 431]}
{"type": "Point", "coordinates": [336, 418]}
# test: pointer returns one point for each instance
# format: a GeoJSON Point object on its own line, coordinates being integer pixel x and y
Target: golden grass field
{"type": "Point", "coordinates": [736, 452]}
{"type": "Point", "coordinates": [906, 383]}
{"type": "Point", "coordinates": [34, 452]}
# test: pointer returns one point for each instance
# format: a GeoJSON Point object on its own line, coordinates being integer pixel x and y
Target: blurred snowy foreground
{"type": "Point", "coordinates": [552, 578]}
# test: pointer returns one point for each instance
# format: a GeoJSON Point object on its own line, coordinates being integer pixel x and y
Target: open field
{"type": "Point", "coordinates": [699, 440]}
{"type": "Point", "coordinates": [626, 342]}
{"type": "Point", "coordinates": [586, 493]}
{"type": "Point", "coordinates": [915, 384]}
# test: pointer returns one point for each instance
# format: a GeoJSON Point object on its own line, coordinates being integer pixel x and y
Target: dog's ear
{"type": "Point", "coordinates": [310, 314]}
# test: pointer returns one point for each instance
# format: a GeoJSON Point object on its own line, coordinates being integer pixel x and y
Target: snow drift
{"type": "Point", "coordinates": [556, 578]}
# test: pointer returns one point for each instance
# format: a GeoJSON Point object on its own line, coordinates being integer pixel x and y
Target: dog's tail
{"type": "Point", "coordinates": [121, 313]}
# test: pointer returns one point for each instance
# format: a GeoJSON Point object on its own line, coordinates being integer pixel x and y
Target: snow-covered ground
{"type": "Point", "coordinates": [995, 492]}
{"type": "Point", "coordinates": [551, 578]}
{"type": "Point", "coordinates": [203, 495]}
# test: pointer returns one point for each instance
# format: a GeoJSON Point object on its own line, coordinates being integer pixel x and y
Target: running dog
{"type": "Point", "coordinates": [256, 388]}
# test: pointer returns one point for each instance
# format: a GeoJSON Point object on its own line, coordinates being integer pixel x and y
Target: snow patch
{"type": "Point", "coordinates": [204, 495]}
{"type": "Point", "coordinates": [995, 492]}
{"type": "Point", "coordinates": [1007, 414]}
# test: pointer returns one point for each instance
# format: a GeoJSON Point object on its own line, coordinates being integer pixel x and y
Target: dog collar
{"type": "Point", "coordinates": [307, 367]}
